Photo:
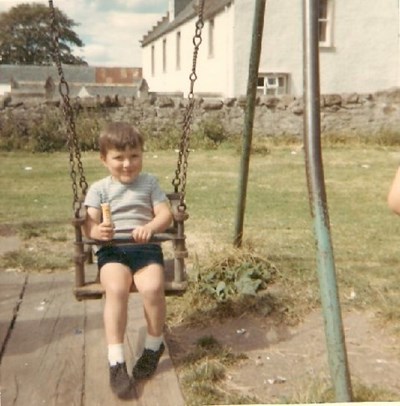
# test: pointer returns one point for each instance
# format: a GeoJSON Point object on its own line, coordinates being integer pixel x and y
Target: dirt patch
{"type": "Point", "coordinates": [6, 231]}
{"type": "Point", "coordinates": [9, 241]}
{"type": "Point", "coordinates": [285, 362]}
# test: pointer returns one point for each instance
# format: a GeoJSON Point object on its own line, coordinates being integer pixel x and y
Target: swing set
{"type": "Point", "coordinates": [315, 180]}
{"type": "Point", "coordinates": [175, 269]}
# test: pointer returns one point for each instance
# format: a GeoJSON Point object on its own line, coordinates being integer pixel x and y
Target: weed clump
{"type": "Point", "coordinates": [230, 284]}
{"type": "Point", "coordinates": [240, 273]}
{"type": "Point", "coordinates": [205, 372]}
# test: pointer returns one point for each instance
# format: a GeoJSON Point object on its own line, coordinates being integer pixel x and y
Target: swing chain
{"type": "Point", "coordinates": [73, 145]}
{"type": "Point", "coordinates": [182, 164]}
{"type": "Point", "coordinates": [76, 166]}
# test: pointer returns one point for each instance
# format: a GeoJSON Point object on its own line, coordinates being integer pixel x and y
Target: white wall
{"type": "Point", "coordinates": [243, 20]}
{"type": "Point", "coordinates": [214, 73]}
{"type": "Point", "coordinates": [365, 52]}
{"type": "Point", "coordinates": [364, 57]}
{"type": "Point", "coordinates": [173, 79]}
{"type": "Point", "coordinates": [282, 48]}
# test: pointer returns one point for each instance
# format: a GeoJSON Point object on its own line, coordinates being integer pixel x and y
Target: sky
{"type": "Point", "coordinates": [110, 29]}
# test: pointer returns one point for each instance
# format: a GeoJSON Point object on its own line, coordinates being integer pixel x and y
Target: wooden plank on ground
{"type": "Point", "coordinates": [163, 389]}
{"type": "Point", "coordinates": [97, 386]}
{"type": "Point", "coordinates": [57, 354]}
{"type": "Point", "coordinates": [12, 286]}
{"type": "Point", "coordinates": [43, 361]}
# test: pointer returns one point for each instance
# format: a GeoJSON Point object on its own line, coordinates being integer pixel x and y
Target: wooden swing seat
{"type": "Point", "coordinates": [87, 285]}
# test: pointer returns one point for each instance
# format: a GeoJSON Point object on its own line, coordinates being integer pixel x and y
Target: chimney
{"type": "Point", "coordinates": [175, 7]}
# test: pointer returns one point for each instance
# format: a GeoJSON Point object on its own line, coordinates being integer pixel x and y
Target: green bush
{"type": "Point", "coordinates": [210, 133]}
{"type": "Point", "coordinates": [39, 131]}
{"type": "Point", "coordinates": [88, 126]}
{"type": "Point", "coordinates": [45, 130]}
{"type": "Point", "coordinates": [167, 137]}
{"type": "Point", "coordinates": [14, 134]}
{"type": "Point", "coordinates": [44, 134]}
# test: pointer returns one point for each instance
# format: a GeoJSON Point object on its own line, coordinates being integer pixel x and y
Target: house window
{"type": "Point", "coordinates": [325, 22]}
{"type": "Point", "coordinates": [164, 55]}
{"type": "Point", "coordinates": [211, 39]}
{"type": "Point", "coordinates": [272, 84]}
{"type": "Point", "coordinates": [178, 50]}
{"type": "Point", "coordinates": [152, 60]}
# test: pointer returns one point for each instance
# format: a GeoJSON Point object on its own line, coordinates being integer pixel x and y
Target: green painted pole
{"type": "Point", "coordinates": [335, 340]}
{"type": "Point", "coordinates": [258, 26]}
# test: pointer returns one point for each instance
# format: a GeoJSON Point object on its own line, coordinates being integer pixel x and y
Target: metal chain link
{"type": "Point", "coordinates": [179, 182]}
{"type": "Point", "coordinates": [76, 166]}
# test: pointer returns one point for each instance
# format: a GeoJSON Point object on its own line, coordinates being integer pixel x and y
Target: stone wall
{"type": "Point", "coordinates": [360, 114]}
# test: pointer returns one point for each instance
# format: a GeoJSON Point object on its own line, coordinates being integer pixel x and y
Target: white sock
{"type": "Point", "coordinates": [116, 354]}
{"type": "Point", "coordinates": [153, 343]}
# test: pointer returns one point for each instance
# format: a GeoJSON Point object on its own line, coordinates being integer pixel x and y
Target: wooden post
{"type": "Point", "coordinates": [80, 256]}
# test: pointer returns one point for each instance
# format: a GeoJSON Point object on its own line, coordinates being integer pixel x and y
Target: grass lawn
{"type": "Point", "coordinates": [36, 202]}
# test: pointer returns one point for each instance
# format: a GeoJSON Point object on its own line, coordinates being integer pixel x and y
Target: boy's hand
{"type": "Point", "coordinates": [142, 234]}
{"type": "Point", "coordinates": [105, 231]}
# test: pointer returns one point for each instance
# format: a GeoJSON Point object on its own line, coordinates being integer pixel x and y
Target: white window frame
{"type": "Point", "coordinates": [273, 83]}
{"type": "Point", "coordinates": [326, 25]}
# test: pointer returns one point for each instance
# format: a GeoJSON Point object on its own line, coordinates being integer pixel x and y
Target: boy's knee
{"type": "Point", "coordinates": [117, 290]}
{"type": "Point", "coordinates": [153, 292]}
{"type": "Point", "coordinates": [150, 281]}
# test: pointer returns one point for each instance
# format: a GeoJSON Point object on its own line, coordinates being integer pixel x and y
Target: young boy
{"type": "Point", "coordinates": [140, 207]}
{"type": "Point", "coordinates": [393, 198]}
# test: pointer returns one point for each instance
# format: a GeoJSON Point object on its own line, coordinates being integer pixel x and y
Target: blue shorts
{"type": "Point", "coordinates": [134, 257]}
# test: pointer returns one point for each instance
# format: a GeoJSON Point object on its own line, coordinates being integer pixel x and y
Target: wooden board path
{"type": "Point", "coordinates": [54, 351]}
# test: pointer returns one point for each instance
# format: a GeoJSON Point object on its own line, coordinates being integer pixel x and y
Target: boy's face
{"type": "Point", "coordinates": [124, 165]}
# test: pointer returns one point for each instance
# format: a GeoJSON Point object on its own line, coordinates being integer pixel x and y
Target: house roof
{"type": "Point", "coordinates": [32, 73]}
{"type": "Point", "coordinates": [72, 73]}
{"type": "Point", "coordinates": [211, 8]}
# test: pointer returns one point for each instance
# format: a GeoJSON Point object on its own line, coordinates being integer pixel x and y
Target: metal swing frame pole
{"type": "Point", "coordinates": [258, 27]}
{"type": "Point", "coordinates": [333, 324]}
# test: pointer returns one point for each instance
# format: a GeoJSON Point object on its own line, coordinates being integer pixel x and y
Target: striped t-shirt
{"type": "Point", "coordinates": [131, 204]}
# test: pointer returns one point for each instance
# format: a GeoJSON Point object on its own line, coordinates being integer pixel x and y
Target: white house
{"type": "Point", "coordinates": [359, 47]}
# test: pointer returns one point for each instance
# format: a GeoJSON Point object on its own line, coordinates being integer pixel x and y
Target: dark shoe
{"type": "Point", "coordinates": [146, 365]}
{"type": "Point", "coordinates": [119, 380]}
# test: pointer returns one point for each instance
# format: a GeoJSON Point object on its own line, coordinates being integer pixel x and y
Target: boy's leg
{"type": "Point", "coordinates": [116, 280]}
{"type": "Point", "coordinates": [149, 282]}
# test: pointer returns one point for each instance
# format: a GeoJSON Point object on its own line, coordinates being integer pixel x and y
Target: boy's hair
{"type": "Point", "coordinates": [119, 136]}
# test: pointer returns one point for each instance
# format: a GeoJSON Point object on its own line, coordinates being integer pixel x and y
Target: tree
{"type": "Point", "coordinates": [26, 36]}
